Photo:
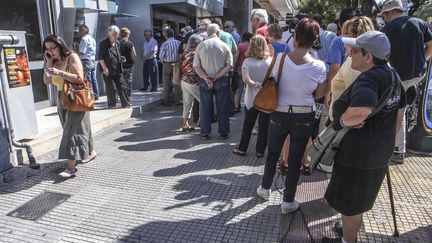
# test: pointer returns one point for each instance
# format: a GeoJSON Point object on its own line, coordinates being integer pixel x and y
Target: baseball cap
{"type": "Point", "coordinates": [392, 4]}
{"type": "Point", "coordinates": [374, 42]}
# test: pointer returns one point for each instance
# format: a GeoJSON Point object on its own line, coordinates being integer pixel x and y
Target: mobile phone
{"type": "Point", "coordinates": [48, 55]}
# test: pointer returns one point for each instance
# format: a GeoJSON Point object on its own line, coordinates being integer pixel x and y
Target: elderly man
{"type": "Point", "coordinates": [87, 53]}
{"type": "Point", "coordinates": [213, 60]}
{"type": "Point", "coordinates": [148, 57]}
{"type": "Point", "coordinates": [169, 55]}
{"type": "Point", "coordinates": [259, 20]}
{"type": "Point", "coordinates": [411, 46]}
{"type": "Point", "coordinates": [229, 27]}
{"type": "Point", "coordinates": [110, 62]}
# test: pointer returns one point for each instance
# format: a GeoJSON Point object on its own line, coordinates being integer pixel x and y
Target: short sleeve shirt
{"type": "Point", "coordinates": [371, 146]}
{"type": "Point", "coordinates": [212, 55]}
{"type": "Point", "coordinates": [229, 40]}
{"type": "Point", "coordinates": [336, 54]}
{"type": "Point", "coordinates": [87, 46]}
{"type": "Point", "coordinates": [407, 37]}
{"type": "Point", "coordinates": [241, 48]}
{"type": "Point", "coordinates": [125, 50]}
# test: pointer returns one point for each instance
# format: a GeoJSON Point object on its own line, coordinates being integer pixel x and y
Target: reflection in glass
{"type": "Point", "coordinates": [22, 15]}
{"type": "Point", "coordinates": [428, 103]}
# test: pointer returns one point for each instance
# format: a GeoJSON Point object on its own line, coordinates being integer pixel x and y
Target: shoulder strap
{"type": "Point", "coordinates": [281, 64]}
{"type": "Point", "coordinates": [270, 68]}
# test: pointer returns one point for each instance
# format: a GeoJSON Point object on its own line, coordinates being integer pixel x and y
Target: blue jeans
{"type": "Point", "coordinates": [150, 70]}
{"type": "Point", "coordinates": [299, 126]}
{"type": "Point", "coordinates": [222, 92]}
{"type": "Point", "coordinates": [89, 67]}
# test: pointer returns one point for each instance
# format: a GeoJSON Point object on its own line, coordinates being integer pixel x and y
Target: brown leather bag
{"type": "Point", "coordinates": [78, 96]}
{"type": "Point", "coordinates": [267, 98]}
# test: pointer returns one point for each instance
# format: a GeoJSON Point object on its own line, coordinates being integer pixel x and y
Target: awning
{"type": "Point", "coordinates": [119, 15]}
{"type": "Point", "coordinates": [279, 8]}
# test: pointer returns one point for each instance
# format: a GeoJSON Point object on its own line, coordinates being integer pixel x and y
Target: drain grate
{"type": "Point", "coordinates": [39, 206]}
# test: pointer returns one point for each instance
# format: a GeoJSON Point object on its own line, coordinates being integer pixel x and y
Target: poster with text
{"type": "Point", "coordinates": [18, 71]}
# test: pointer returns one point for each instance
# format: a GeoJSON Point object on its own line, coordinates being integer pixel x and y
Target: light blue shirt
{"type": "Point", "coordinates": [236, 37]}
{"type": "Point", "coordinates": [88, 47]}
{"type": "Point", "coordinates": [149, 46]}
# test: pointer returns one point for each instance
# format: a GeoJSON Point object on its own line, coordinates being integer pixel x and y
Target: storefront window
{"type": "Point", "coordinates": [23, 15]}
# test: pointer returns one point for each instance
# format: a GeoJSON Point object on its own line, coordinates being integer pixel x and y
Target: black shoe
{"type": "Point", "coordinates": [223, 136]}
{"type": "Point", "coordinates": [144, 89]}
{"type": "Point", "coordinates": [331, 240]}
{"type": "Point", "coordinates": [96, 97]}
{"type": "Point", "coordinates": [259, 155]}
{"type": "Point", "coordinates": [337, 228]}
{"type": "Point", "coordinates": [204, 136]}
{"type": "Point", "coordinates": [153, 90]}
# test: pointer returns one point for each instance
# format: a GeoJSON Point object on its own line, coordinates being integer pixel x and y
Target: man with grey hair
{"type": "Point", "coordinates": [229, 27]}
{"type": "Point", "coordinates": [259, 20]}
{"type": "Point", "coordinates": [111, 67]}
{"type": "Point", "coordinates": [212, 62]}
{"type": "Point", "coordinates": [150, 65]}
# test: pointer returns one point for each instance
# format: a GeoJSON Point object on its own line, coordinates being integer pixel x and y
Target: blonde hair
{"type": "Point", "coordinates": [275, 31]}
{"type": "Point", "coordinates": [258, 48]}
{"type": "Point", "coordinates": [357, 26]}
{"type": "Point", "coordinates": [125, 33]}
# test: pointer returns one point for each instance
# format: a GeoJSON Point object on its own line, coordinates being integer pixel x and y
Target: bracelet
{"type": "Point", "coordinates": [61, 74]}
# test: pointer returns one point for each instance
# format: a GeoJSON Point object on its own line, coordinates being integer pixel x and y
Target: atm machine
{"type": "Point", "coordinates": [16, 94]}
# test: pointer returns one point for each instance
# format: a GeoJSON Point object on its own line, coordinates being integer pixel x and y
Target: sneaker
{"type": "Point", "coordinates": [288, 207]}
{"type": "Point", "coordinates": [398, 158]}
{"type": "Point", "coordinates": [263, 193]}
{"type": "Point", "coordinates": [325, 168]}
{"type": "Point", "coordinates": [68, 174]}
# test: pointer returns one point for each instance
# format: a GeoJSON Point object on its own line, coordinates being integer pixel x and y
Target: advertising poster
{"type": "Point", "coordinates": [18, 71]}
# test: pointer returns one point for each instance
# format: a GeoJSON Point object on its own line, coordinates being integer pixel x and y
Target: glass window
{"type": "Point", "coordinates": [23, 15]}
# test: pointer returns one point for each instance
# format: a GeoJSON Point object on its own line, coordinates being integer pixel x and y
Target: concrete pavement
{"type": "Point", "coordinates": [151, 183]}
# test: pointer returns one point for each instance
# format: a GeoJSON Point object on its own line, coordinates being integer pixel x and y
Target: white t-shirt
{"type": "Point", "coordinates": [298, 82]}
{"type": "Point", "coordinates": [257, 69]}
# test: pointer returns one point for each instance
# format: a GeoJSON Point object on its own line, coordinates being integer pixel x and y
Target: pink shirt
{"type": "Point", "coordinates": [241, 48]}
{"type": "Point", "coordinates": [262, 31]}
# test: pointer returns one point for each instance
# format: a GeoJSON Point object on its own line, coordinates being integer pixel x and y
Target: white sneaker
{"type": "Point", "coordinates": [263, 193]}
{"type": "Point", "coordinates": [325, 168]}
{"type": "Point", "coordinates": [68, 174]}
{"type": "Point", "coordinates": [288, 207]}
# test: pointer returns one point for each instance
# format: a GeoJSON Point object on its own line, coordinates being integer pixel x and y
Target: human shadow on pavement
{"type": "Point", "coordinates": [223, 208]}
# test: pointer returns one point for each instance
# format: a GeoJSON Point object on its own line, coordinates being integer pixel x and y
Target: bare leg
{"type": "Point", "coordinates": [71, 165]}
{"type": "Point", "coordinates": [351, 225]}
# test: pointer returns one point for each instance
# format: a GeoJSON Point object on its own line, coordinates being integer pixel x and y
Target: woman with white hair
{"type": "Point", "coordinates": [110, 61]}
{"type": "Point", "coordinates": [189, 80]}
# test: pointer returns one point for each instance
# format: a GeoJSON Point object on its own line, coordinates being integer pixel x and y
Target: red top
{"type": "Point", "coordinates": [241, 48]}
{"type": "Point", "coordinates": [262, 31]}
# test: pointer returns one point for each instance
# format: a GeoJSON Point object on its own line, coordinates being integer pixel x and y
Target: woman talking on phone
{"type": "Point", "coordinates": [63, 65]}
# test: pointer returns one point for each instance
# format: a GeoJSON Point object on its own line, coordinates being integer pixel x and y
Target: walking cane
{"type": "Point", "coordinates": [396, 232]}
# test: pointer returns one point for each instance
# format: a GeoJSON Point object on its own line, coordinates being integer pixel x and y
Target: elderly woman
{"type": "Point", "coordinates": [189, 80]}
{"type": "Point", "coordinates": [274, 37]}
{"type": "Point", "coordinates": [110, 61]}
{"type": "Point", "coordinates": [363, 157]}
{"type": "Point", "coordinates": [63, 65]}
{"type": "Point", "coordinates": [254, 69]}
{"type": "Point", "coordinates": [301, 81]}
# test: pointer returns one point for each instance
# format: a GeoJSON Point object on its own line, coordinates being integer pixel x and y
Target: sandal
{"type": "Point", "coordinates": [238, 152]}
{"type": "Point", "coordinates": [187, 129]}
{"type": "Point", "coordinates": [90, 158]}
{"type": "Point", "coordinates": [68, 174]}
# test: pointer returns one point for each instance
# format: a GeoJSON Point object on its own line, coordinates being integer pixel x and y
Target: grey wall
{"type": "Point", "coordinates": [137, 25]}
{"type": "Point", "coordinates": [239, 12]}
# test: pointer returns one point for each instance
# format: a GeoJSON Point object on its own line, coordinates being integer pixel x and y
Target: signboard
{"type": "Point", "coordinates": [17, 68]}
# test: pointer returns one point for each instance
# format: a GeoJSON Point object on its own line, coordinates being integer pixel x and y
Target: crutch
{"type": "Point", "coordinates": [393, 211]}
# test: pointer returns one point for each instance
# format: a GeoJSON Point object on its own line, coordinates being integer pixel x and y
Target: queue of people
{"type": "Point", "coordinates": [347, 76]}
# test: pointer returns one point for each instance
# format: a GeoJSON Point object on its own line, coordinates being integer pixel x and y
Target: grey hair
{"type": "Point", "coordinates": [113, 29]}
{"type": "Point", "coordinates": [261, 14]}
{"type": "Point", "coordinates": [213, 29]}
{"type": "Point", "coordinates": [230, 23]}
{"type": "Point", "coordinates": [188, 29]}
{"type": "Point", "coordinates": [194, 40]}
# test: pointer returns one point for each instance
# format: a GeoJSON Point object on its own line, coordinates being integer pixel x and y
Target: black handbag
{"type": "Point", "coordinates": [325, 146]}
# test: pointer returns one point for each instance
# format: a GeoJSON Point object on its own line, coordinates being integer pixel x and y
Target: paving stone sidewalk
{"type": "Point", "coordinates": [152, 183]}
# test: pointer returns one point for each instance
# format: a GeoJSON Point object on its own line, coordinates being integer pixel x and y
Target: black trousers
{"type": "Point", "coordinates": [249, 121]}
{"type": "Point", "coordinates": [113, 84]}
{"type": "Point", "coordinates": [299, 126]}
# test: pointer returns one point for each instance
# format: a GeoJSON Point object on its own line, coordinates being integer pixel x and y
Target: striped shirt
{"type": "Point", "coordinates": [169, 50]}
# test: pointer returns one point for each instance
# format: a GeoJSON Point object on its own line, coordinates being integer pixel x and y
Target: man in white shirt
{"type": "Point", "coordinates": [87, 53]}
